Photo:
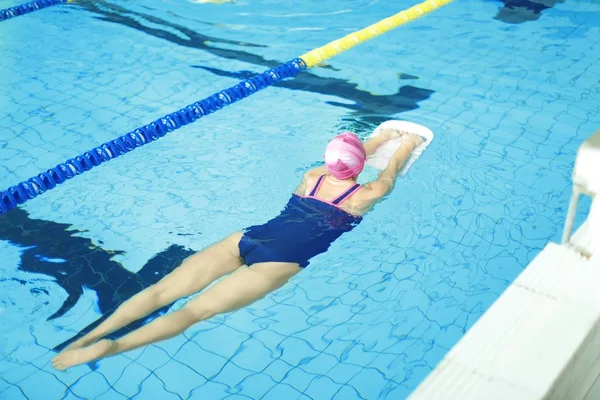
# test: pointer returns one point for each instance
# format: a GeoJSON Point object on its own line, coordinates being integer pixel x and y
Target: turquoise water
{"type": "Point", "coordinates": [510, 93]}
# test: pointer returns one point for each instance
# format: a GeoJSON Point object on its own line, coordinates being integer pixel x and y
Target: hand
{"type": "Point", "coordinates": [389, 133]}
{"type": "Point", "coordinates": [413, 140]}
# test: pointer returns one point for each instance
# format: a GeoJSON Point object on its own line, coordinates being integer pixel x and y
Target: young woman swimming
{"type": "Point", "coordinates": [327, 203]}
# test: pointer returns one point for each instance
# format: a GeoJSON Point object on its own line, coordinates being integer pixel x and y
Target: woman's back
{"type": "Point", "coordinates": [358, 204]}
{"type": "Point", "coordinates": [307, 226]}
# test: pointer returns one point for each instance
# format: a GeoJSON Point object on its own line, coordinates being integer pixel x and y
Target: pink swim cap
{"type": "Point", "coordinates": [345, 156]}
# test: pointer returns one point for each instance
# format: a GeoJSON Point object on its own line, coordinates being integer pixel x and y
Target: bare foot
{"type": "Point", "coordinates": [69, 358]}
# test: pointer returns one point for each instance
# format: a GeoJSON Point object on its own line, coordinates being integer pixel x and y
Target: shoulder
{"type": "Point", "coordinates": [312, 176]}
{"type": "Point", "coordinates": [315, 173]}
{"type": "Point", "coordinates": [309, 179]}
{"type": "Point", "coordinates": [369, 194]}
{"type": "Point", "coordinates": [375, 190]}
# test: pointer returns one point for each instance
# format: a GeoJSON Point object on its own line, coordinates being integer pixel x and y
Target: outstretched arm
{"type": "Point", "coordinates": [370, 146]}
{"type": "Point", "coordinates": [386, 134]}
{"type": "Point", "coordinates": [386, 179]}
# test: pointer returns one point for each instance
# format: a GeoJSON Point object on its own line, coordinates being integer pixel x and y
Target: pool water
{"type": "Point", "coordinates": [510, 91]}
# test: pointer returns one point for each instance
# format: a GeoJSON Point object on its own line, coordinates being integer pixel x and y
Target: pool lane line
{"type": "Point", "coordinates": [47, 180]}
{"type": "Point", "coordinates": [27, 8]}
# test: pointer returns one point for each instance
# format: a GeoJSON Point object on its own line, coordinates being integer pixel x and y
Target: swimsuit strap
{"type": "Point", "coordinates": [346, 194]}
{"type": "Point", "coordinates": [317, 186]}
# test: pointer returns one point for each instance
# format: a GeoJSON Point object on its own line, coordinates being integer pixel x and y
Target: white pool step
{"type": "Point", "coordinates": [540, 340]}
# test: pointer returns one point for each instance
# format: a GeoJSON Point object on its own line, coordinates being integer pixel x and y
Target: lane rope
{"type": "Point", "coordinates": [49, 179]}
{"type": "Point", "coordinates": [27, 8]}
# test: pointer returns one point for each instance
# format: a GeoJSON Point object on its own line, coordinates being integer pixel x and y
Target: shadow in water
{"type": "Point", "coordinates": [360, 101]}
{"type": "Point", "coordinates": [407, 97]}
{"type": "Point", "coordinates": [520, 11]}
{"type": "Point", "coordinates": [77, 263]}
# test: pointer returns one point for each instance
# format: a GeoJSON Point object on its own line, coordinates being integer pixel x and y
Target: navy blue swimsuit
{"type": "Point", "coordinates": [305, 228]}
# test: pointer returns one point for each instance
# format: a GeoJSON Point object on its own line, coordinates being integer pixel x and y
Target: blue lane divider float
{"type": "Point", "coordinates": [49, 179]}
{"type": "Point", "coordinates": [27, 8]}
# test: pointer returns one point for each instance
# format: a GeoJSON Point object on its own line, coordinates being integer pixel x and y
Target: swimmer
{"type": "Point", "coordinates": [327, 203]}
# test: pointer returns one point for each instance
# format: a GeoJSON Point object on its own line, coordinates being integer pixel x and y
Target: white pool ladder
{"type": "Point", "coordinates": [586, 181]}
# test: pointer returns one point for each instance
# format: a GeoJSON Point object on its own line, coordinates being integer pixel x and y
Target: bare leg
{"type": "Point", "coordinates": [242, 287]}
{"type": "Point", "coordinates": [194, 274]}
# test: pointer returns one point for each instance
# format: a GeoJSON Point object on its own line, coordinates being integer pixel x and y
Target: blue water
{"type": "Point", "coordinates": [509, 92]}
